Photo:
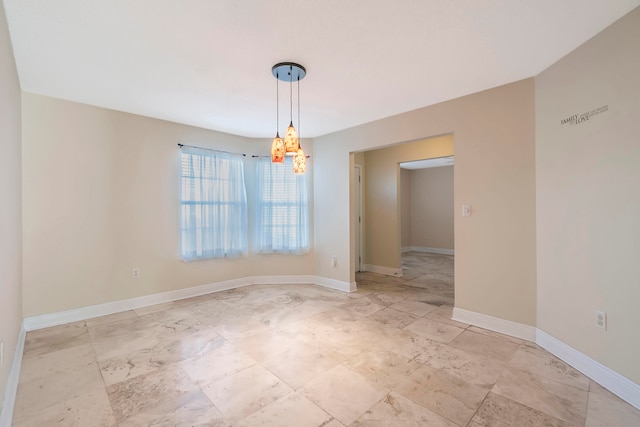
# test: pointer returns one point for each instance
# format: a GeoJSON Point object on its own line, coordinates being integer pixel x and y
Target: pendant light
{"type": "Point", "coordinates": [277, 146]}
{"type": "Point", "coordinates": [299, 159]}
{"type": "Point", "coordinates": [291, 136]}
{"type": "Point", "coordinates": [288, 72]}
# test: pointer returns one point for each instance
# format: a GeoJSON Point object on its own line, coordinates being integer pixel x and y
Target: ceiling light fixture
{"type": "Point", "coordinates": [288, 72]}
{"type": "Point", "coordinates": [277, 146]}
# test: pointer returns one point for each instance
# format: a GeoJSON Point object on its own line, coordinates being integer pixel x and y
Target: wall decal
{"type": "Point", "coordinates": [577, 119]}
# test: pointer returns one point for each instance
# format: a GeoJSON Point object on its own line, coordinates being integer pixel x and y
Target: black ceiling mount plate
{"type": "Point", "coordinates": [288, 71]}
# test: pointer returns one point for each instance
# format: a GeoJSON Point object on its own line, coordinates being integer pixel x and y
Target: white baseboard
{"type": "Point", "coordinates": [619, 385]}
{"type": "Point", "coordinates": [389, 271]}
{"type": "Point", "coordinates": [308, 279]}
{"type": "Point", "coordinates": [336, 284]}
{"type": "Point", "coordinates": [428, 250]}
{"type": "Point", "coordinates": [84, 313]}
{"type": "Point", "coordinates": [495, 324]}
{"type": "Point", "coordinates": [11, 388]}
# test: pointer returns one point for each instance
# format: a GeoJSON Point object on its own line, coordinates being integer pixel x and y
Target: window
{"type": "Point", "coordinates": [213, 205]}
{"type": "Point", "coordinates": [282, 210]}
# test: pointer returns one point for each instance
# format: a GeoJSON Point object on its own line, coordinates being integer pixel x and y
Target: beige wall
{"type": "Point", "coordinates": [382, 188]}
{"type": "Point", "coordinates": [101, 197]}
{"type": "Point", "coordinates": [10, 205]}
{"type": "Point", "coordinates": [431, 210]}
{"type": "Point", "coordinates": [587, 197]}
{"type": "Point", "coordinates": [494, 148]}
{"type": "Point", "coordinates": [405, 208]}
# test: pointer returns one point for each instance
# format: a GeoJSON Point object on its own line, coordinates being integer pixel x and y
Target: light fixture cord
{"type": "Point", "coordinates": [291, 92]}
{"type": "Point", "coordinates": [298, 110]}
{"type": "Point", "coordinates": [277, 103]}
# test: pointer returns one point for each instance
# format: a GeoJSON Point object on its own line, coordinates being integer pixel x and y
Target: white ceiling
{"type": "Point", "coordinates": [208, 62]}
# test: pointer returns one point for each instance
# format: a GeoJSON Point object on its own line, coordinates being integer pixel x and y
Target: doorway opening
{"type": "Point", "coordinates": [391, 238]}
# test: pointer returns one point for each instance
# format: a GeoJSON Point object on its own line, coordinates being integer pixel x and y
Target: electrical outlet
{"type": "Point", "coordinates": [1, 353]}
{"type": "Point", "coordinates": [601, 319]}
{"type": "Point", "coordinates": [334, 261]}
{"type": "Point", "coordinates": [135, 273]}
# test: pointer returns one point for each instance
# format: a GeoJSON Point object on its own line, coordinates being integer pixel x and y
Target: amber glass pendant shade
{"type": "Point", "coordinates": [291, 140]}
{"type": "Point", "coordinates": [277, 150]}
{"type": "Point", "coordinates": [299, 162]}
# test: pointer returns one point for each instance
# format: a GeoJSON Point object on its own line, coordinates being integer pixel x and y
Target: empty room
{"type": "Point", "coordinates": [297, 213]}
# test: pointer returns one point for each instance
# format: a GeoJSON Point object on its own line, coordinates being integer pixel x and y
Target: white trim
{"type": "Point", "coordinates": [619, 385]}
{"type": "Point", "coordinates": [84, 313]}
{"type": "Point", "coordinates": [11, 388]}
{"type": "Point", "coordinates": [281, 280]}
{"type": "Point", "coordinates": [359, 209]}
{"type": "Point", "coordinates": [336, 284]}
{"type": "Point", "coordinates": [428, 250]}
{"type": "Point", "coordinates": [496, 324]}
{"type": "Point", "coordinates": [389, 271]}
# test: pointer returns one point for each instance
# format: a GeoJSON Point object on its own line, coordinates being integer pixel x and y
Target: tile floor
{"type": "Point", "coordinates": [302, 355]}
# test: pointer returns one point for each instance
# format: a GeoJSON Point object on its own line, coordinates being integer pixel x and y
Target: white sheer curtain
{"type": "Point", "coordinates": [213, 205]}
{"type": "Point", "coordinates": [282, 211]}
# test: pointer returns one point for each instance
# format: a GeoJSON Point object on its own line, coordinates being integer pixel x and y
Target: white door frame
{"type": "Point", "coordinates": [357, 178]}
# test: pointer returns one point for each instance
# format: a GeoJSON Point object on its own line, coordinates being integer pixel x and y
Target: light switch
{"type": "Point", "coordinates": [466, 210]}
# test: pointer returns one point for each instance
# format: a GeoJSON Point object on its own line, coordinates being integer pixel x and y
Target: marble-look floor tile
{"type": "Point", "coordinates": [610, 411]}
{"type": "Point", "coordinates": [158, 353]}
{"type": "Point", "coordinates": [434, 330]}
{"type": "Point", "coordinates": [291, 410]}
{"type": "Point", "coordinates": [187, 410]}
{"type": "Point", "coordinates": [545, 394]}
{"type": "Point", "coordinates": [211, 311]}
{"type": "Point", "coordinates": [386, 299]}
{"type": "Point", "coordinates": [55, 338]}
{"type": "Point", "coordinates": [362, 306]}
{"type": "Point", "coordinates": [485, 345]}
{"type": "Point", "coordinates": [145, 392]}
{"type": "Point", "coordinates": [124, 343]}
{"type": "Point", "coordinates": [89, 407]}
{"type": "Point", "coordinates": [497, 410]}
{"type": "Point", "coordinates": [55, 377]}
{"type": "Point", "coordinates": [239, 395]}
{"type": "Point", "coordinates": [402, 342]}
{"type": "Point", "coordinates": [596, 388]}
{"type": "Point", "coordinates": [495, 334]}
{"type": "Point", "coordinates": [384, 368]}
{"type": "Point", "coordinates": [448, 396]}
{"type": "Point", "coordinates": [472, 367]}
{"type": "Point", "coordinates": [417, 308]}
{"type": "Point", "coordinates": [395, 410]}
{"type": "Point", "coordinates": [249, 321]}
{"type": "Point", "coordinates": [343, 393]}
{"type": "Point", "coordinates": [443, 314]}
{"type": "Point", "coordinates": [143, 311]}
{"type": "Point", "coordinates": [534, 359]}
{"type": "Point", "coordinates": [267, 344]}
{"type": "Point", "coordinates": [393, 318]}
{"type": "Point", "coordinates": [345, 337]}
{"type": "Point", "coordinates": [301, 364]}
{"type": "Point", "coordinates": [144, 332]}
{"type": "Point", "coordinates": [222, 360]}
{"type": "Point", "coordinates": [96, 322]}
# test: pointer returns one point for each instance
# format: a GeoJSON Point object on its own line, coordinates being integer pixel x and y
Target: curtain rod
{"type": "Point", "coordinates": [210, 149]}
{"type": "Point", "coordinates": [221, 151]}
